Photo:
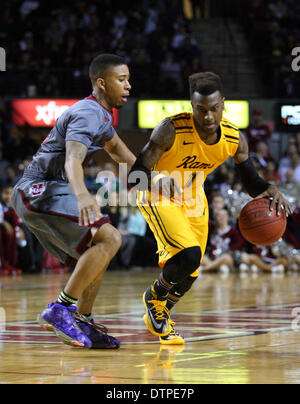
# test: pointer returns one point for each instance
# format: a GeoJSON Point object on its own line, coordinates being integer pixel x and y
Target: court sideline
{"type": "Point", "coordinates": [238, 329]}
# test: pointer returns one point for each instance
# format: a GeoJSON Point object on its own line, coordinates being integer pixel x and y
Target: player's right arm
{"type": "Point", "coordinates": [256, 186]}
{"type": "Point", "coordinates": [161, 140]}
{"type": "Point", "coordinates": [89, 211]}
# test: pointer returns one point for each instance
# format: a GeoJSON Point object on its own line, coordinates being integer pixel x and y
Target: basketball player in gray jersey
{"type": "Point", "coordinates": [54, 203]}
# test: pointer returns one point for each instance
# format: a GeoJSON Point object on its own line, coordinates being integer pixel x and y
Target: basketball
{"type": "Point", "coordinates": [259, 225]}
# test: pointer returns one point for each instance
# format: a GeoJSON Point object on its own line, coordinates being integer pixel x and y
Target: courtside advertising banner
{"type": "Point", "coordinates": [44, 112]}
{"type": "Point", "coordinates": [151, 112]}
{"type": "Point", "coordinates": [288, 117]}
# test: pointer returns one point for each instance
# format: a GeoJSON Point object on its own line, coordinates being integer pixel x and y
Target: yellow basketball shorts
{"type": "Point", "coordinates": [174, 230]}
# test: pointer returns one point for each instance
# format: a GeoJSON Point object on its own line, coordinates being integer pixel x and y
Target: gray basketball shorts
{"type": "Point", "coordinates": [49, 209]}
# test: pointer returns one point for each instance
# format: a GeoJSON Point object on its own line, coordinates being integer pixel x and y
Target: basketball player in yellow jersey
{"type": "Point", "coordinates": [189, 146]}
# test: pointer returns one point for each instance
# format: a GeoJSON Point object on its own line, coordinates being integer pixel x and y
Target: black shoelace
{"type": "Point", "coordinates": [82, 319]}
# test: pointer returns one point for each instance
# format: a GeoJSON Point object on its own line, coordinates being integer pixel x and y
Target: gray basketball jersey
{"type": "Point", "coordinates": [43, 198]}
{"type": "Point", "coordinates": [87, 122]}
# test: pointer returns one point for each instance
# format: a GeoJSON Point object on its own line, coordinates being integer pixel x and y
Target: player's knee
{"type": "Point", "coordinates": [116, 240]}
{"type": "Point", "coordinates": [182, 264]}
{"type": "Point", "coordinates": [192, 258]}
{"type": "Point", "coordinates": [109, 236]}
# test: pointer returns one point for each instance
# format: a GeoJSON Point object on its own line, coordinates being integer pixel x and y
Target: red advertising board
{"type": "Point", "coordinates": [44, 112]}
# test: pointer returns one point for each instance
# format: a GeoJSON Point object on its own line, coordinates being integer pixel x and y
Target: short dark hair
{"type": "Point", "coordinates": [102, 62]}
{"type": "Point", "coordinates": [205, 83]}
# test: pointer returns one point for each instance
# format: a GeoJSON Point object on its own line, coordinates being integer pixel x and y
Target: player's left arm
{"type": "Point", "coordinates": [256, 186]}
{"type": "Point", "coordinates": [119, 152]}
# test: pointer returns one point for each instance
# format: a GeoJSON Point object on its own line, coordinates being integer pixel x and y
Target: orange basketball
{"type": "Point", "coordinates": [259, 225]}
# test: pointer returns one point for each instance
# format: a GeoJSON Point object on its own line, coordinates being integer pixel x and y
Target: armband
{"type": "Point", "coordinates": [253, 183]}
{"type": "Point", "coordinates": [135, 175]}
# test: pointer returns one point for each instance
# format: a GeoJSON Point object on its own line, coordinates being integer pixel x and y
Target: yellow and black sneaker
{"type": "Point", "coordinates": [173, 338]}
{"type": "Point", "coordinates": [157, 315]}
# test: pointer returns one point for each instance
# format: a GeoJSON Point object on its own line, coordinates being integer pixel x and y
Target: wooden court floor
{"type": "Point", "coordinates": [238, 329]}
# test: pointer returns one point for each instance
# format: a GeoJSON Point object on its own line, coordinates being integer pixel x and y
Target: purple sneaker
{"type": "Point", "coordinates": [97, 333]}
{"type": "Point", "coordinates": [61, 320]}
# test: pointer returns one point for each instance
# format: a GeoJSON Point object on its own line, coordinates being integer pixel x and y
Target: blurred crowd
{"type": "Point", "coordinates": [50, 55]}
{"type": "Point", "coordinates": [227, 250]}
{"type": "Point", "coordinates": [273, 27]}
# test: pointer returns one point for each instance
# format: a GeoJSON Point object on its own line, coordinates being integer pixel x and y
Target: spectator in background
{"type": "Point", "coordinates": [294, 165]}
{"type": "Point", "coordinates": [220, 174]}
{"type": "Point", "coordinates": [4, 164]}
{"type": "Point", "coordinates": [218, 203]}
{"type": "Point", "coordinates": [170, 75]}
{"type": "Point", "coordinates": [262, 155]}
{"type": "Point", "coordinates": [228, 183]}
{"type": "Point", "coordinates": [18, 146]}
{"type": "Point", "coordinates": [286, 161]}
{"type": "Point", "coordinates": [297, 141]}
{"type": "Point", "coordinates": [119, 214]}
{"type": "Point", "coordinates": [131, 230]}
{"type": "Point", "coordinates": [194, 66]}
{"type": "Point", "coordinates": [136, 229]}
{"type": "Point", "coordinates": [3, 270]}
{"type": "Point", "coordinates": [138, 246]}
{"type": "Point", "coordinates": [108, 179]}
{"type": "Point", "coordinates": [257, 131]}
{"type": "Point", "coordinates": [264, 259]}
{"type": "Point", "coordinates": [289, 187]}
{"type": "Point", "coordinates": [277, 22]}
{"type": "Point", "coordinates": [198, 8]}
{"type": "Point", "coordinates": [291, 190]}
{"type": "Point", "coordinates": [189, 51]}
{"type": "Point", "coordinates": [27, 7]}
{"type": "Point", "coordinates": [179, 37]}
{"type": "Point", "coordinates": [225, 245]}
{"type": "Point", "coordinates": [13, 175]}
{"type": "Point", "coordinates": [72, 34]}
{"type": "Point", "coordinates": [90, 175]}
{"type": "Point", "coordinates": [289, 86]}
{"type": "Point", "coordinates": [271, 174]}
{"type": "Point", "coordinates": [119, 23]}
{"type": "Point", "coordinates": [278, 9]}
{"type": "Point", "coordinates": [145, 245]}
{"type": "Point", "coordinates": [51, 264]}
{"type": "Point", "coordinates": [292, 140]}
{"type": "Point", "coordinates": [12, 235]}
{"type": "Point", "coordinates": [20, 248]}
{"type": "Point", "coordinates": [152, 19]}
{"type": "Point", "coordinates": [293, 227]}
{"type": "Point", "coordinates": [141, 61]}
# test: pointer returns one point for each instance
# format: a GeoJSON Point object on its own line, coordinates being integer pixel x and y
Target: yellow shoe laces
{"type": "Point", "coordinates": [172, 323]}
{"type": "Point", "coordinates": [160, 308]}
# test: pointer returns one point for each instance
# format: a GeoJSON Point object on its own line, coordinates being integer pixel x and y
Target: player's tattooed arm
{"type": "Point", "coordinates": [242, 153]}
{"type": "Point", "coordinates": [89, 211]}
{"type": "Point", "coordinates": [161, 140]}
{"type": "Point", "coordinates": [119, 152]}
{"type": "Point", "coordinates": [75, 150]}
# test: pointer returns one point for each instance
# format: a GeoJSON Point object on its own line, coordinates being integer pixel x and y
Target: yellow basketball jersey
{"type": "Point", "coordinates": [190, 153]}
{"type": "Point", "coordinates": [181, 223]}
{"type": "Point", "coordinates": [190, 160]}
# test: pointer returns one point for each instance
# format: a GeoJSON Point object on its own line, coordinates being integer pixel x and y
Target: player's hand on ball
{"type": "Point", "coordinates": [89, 211]}
{"type": "Point", "coordinates": [276, 200]}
